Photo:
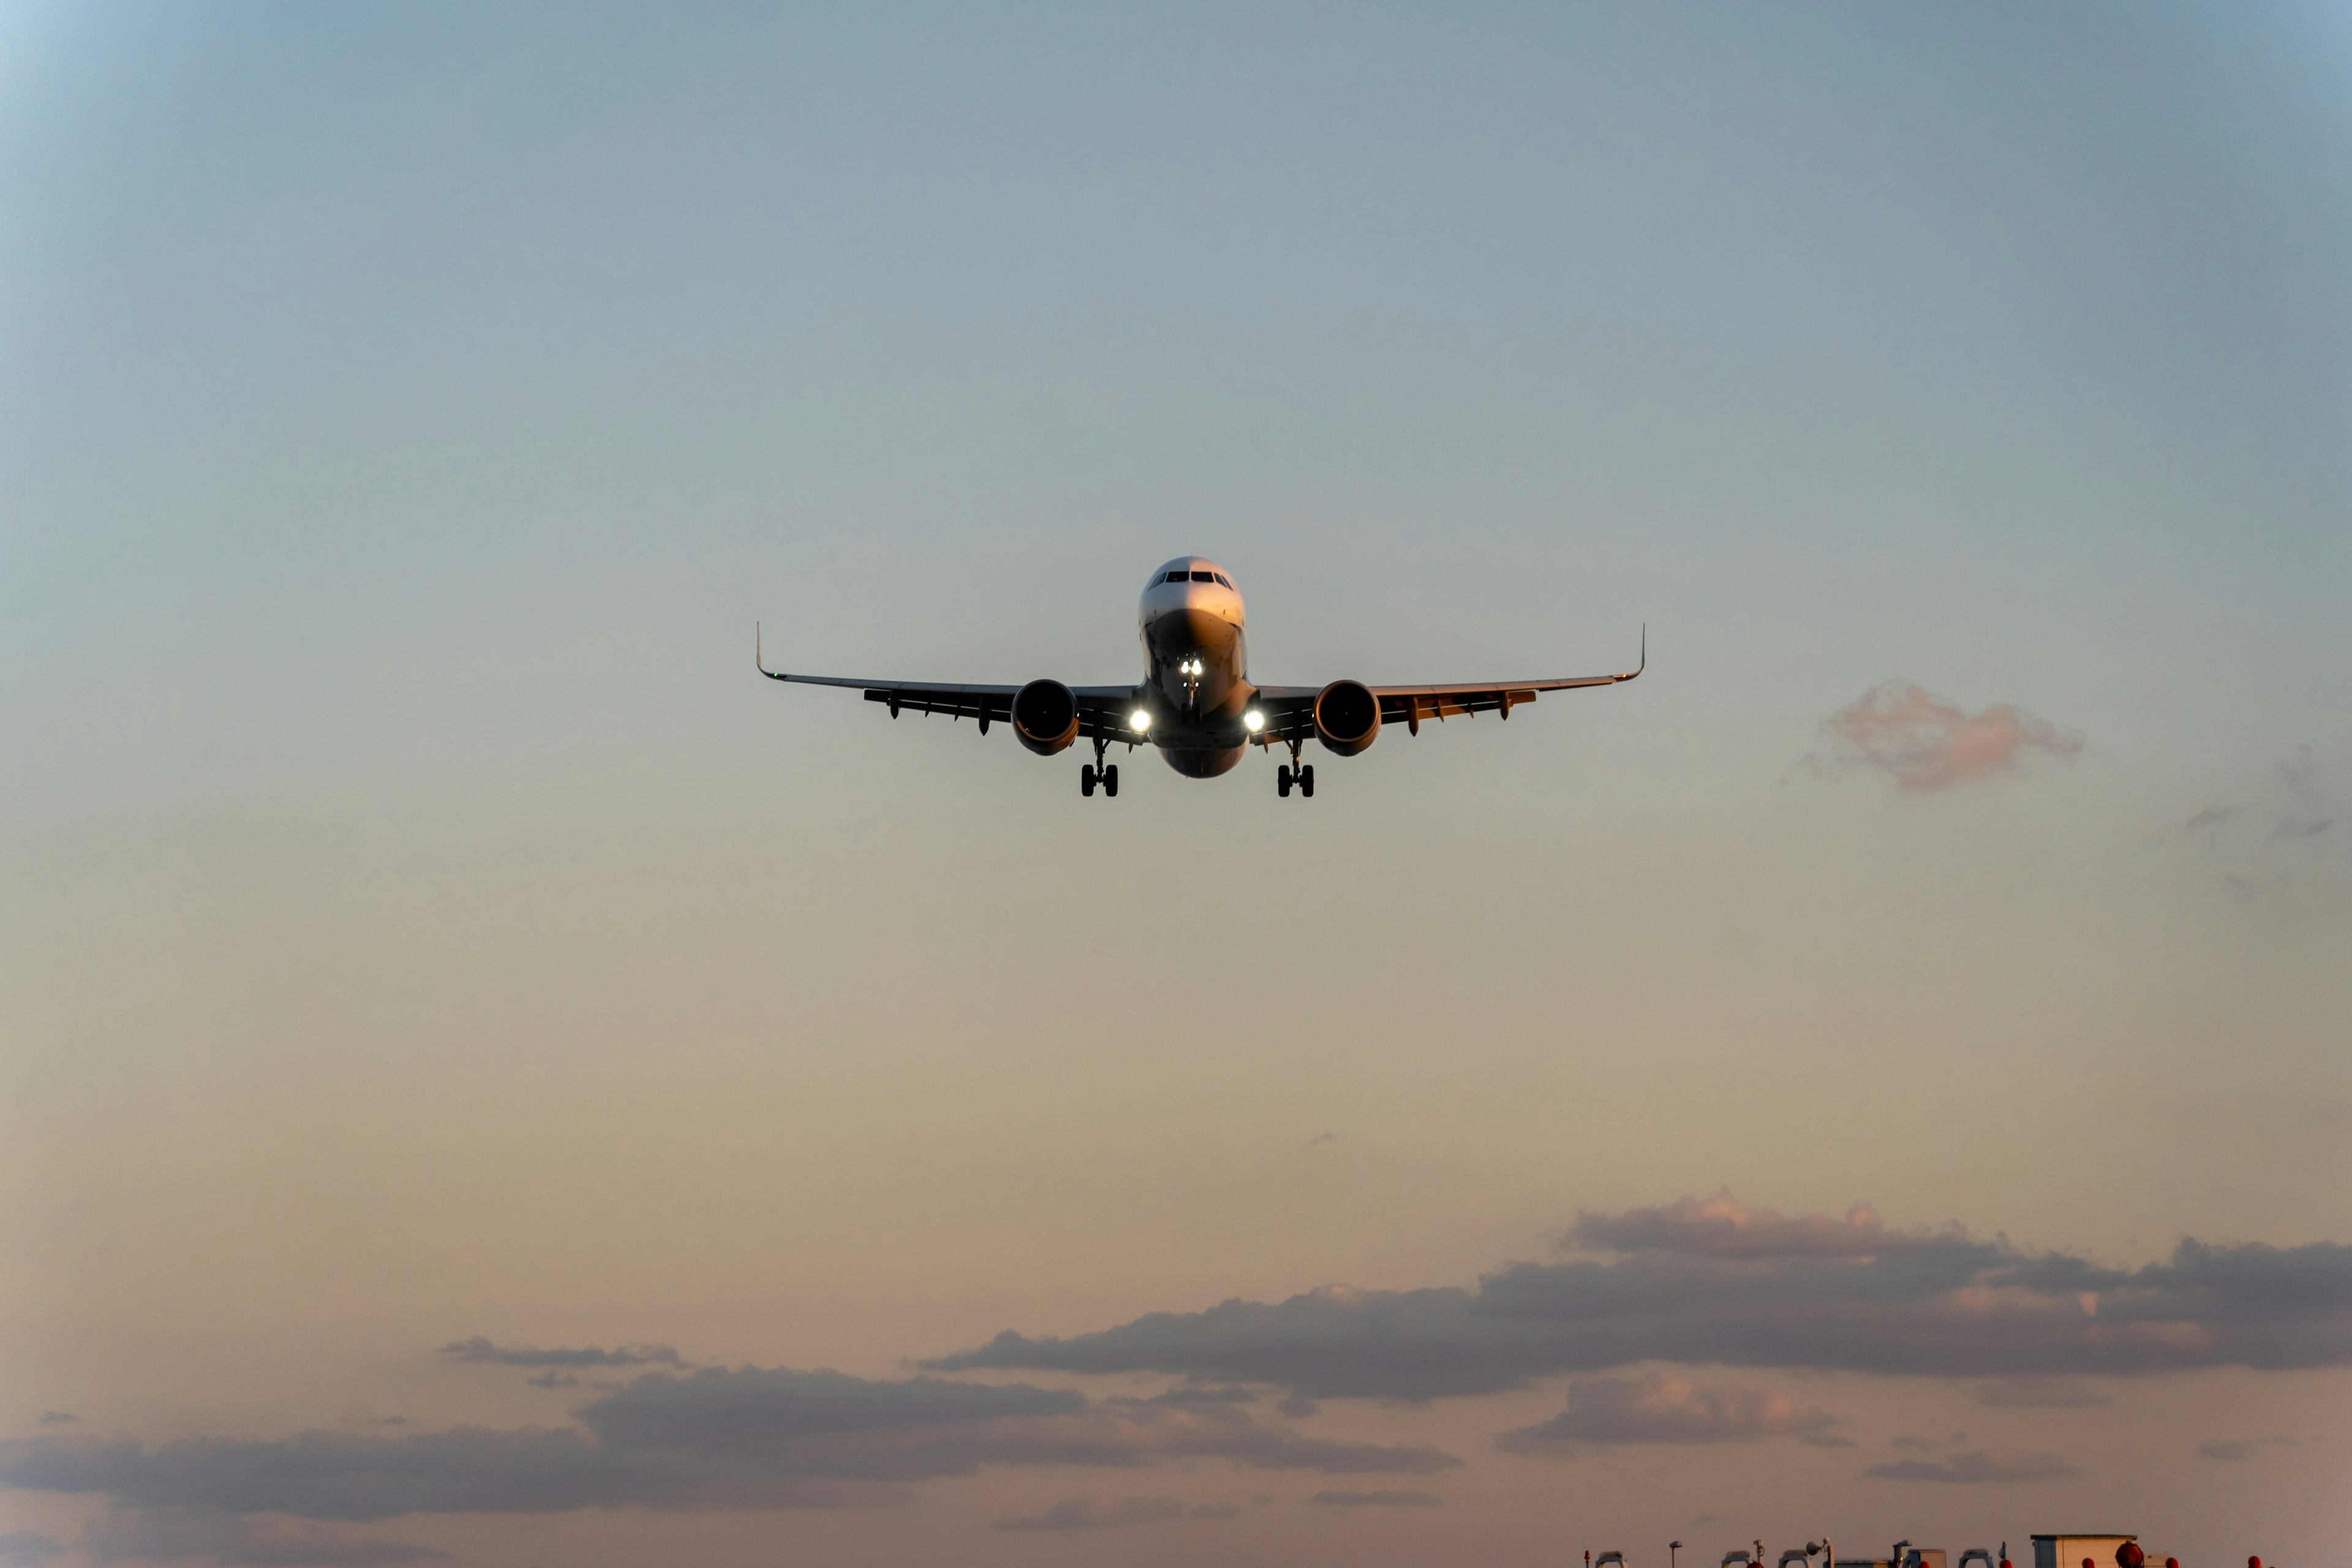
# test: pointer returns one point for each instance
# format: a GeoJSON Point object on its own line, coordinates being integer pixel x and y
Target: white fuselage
{"type": "Point", "coordinates": [1195, 665]}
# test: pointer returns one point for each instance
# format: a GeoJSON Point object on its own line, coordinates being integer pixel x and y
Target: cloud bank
{"type": "Point", "coordinates": [478, 1349]}
{"type": "Point", "coordinates": [1924, 742]}
{"type": "Point", "coordinates": [1607, 1411]}
{"type": "Point", "coordinates": [749, 1438]}
{"type": "Point", "coordinates": [1709, 1281]}
{"type": "Point", "coordinates": [1381, 1499]}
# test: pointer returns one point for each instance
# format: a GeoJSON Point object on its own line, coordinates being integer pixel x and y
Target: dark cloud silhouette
{"type": "Point", "coordinates": [1298, 1406]}
{"type": "Point", "coordinates": [1748, 1289]}
{"type": "Point", "coordinates": [1382, 1499]}
{"type": "Point", "coordinates": [1925, 743]}
{"type": "Point", "coordinates": [478, 1349]}
{"type": "Point", "coordinates": [144, 1534]}
{"type": "Point", "coordinates": [1119, 1513]}
{"type": "Point", "coordinates": [553, 1377]}
{"type": "Point", "coordinates": [28, 1549]}
{"type": "Point", "coordinates": [1607, 1411]}
{"type": "Point", "coordinates": [1976, 1467]}
{"type": "Point", "coordinates": [747, 1438]}
{"type": "Point", "coordinates": [2040, 1394]}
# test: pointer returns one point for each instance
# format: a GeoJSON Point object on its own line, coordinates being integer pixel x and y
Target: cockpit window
{"type": "Point", "coordinates": [1175, 576]}
{"type": "Point", "coordinates": [1204, 576]}
{"type": "Point", "coordinates": [1220, 576]}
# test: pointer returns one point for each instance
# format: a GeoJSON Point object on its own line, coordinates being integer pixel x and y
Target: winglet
{"type": "Point", "coordinates": [1638, 668]}
{"type": "Point", "coordinates": [760, 658]}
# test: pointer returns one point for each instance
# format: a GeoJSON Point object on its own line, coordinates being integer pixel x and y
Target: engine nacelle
{"type": "Point", "coordinates": [1046, 715]}
{"type": "Point", "coordinates": [1347, 717]}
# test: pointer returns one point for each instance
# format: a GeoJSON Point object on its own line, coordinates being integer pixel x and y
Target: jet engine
{"type": "Point", "coordinates": [1347, 717]}
{"type": "Point", "coordinates": [1044, 716]}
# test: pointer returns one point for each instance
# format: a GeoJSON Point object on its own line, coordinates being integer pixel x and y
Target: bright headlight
{"type": "Point", "coordinates": [1253, 721]}
{"type": "Point", "coordinates": [1138, 719]}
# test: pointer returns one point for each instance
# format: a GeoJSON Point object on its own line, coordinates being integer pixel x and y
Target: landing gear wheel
{"type": "Point", "coordinates": [1110, 781]}
{"type": "Point", "coordinates": [1086, 780]}
{"type": "Point", "coordinates": [1307, 781]}
{"type": "Point", "coordinates": [1282, 780]}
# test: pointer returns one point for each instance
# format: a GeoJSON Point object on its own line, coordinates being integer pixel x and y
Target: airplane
{"type": "Point", "coordinates": [1196, 702]}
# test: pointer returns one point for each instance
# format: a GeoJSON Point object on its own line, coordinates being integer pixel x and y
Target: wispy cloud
{"type": "Point", "coordinates": [1119, 1513]}
{"type": "Point", "coordinates": [2040, 1394]}
{"type": "Point", "coordinates": [28, 1549]}
{"type": "Point", "coordinates": [1976, 1467]}
{"type": "Point", "coordinates": [2235, 1450]}
{"type": "Point", "coordinates": [478, 1349]}
{"type": "Point", "coordinates": [1190, 1394]}
{"type": "Point", "coordinates": [141, 1535]}
{"type": "Point", "coordinates": [1711, 1282]}
{"type": "Point", "coordinates": [2264, 846]}
{"type": "Point", "coordinates": [1608, 1411]}
{"type": "Point", "coordinates": [58, 1418]}
{"type": "Point", "coordinates": [1925, 743]}
{"type": "Point", "coordinates": [1381, 1498]}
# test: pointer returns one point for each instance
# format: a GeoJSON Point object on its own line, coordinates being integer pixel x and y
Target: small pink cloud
{"type": "Point", "coordinates": [1925, 743]}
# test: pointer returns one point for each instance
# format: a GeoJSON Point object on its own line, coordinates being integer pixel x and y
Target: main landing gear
{"type": "Point", "coordinates": [1291, 775]}
{"type": "Point", "coordinates": [1098, 773]}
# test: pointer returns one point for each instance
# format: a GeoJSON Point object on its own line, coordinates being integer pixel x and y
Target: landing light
{"type": "Point", "coordinates": [1139, 720]}
{"type": "Point", "coordinates": [1253, 721]}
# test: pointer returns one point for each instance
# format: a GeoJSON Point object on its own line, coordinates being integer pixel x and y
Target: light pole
{"type": "Point", "coordinates": [1671, 1547]}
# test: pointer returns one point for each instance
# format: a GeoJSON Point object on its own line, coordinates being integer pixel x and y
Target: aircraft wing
{"type": "Point", "coordinates": [1102, 710]}
{"type": "Point", "coordinates": [1290, 710]}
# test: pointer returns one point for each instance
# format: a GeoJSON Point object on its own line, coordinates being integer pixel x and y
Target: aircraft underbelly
{"type": "Point", "coordinates": [1202, 761]}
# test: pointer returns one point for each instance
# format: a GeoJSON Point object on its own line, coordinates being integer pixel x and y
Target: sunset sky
{"type": "Point", "coordinates": [486, 1077]}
